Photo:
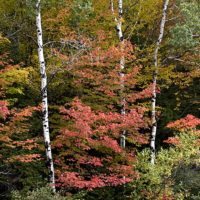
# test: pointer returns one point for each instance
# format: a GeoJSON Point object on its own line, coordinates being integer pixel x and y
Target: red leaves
{"type": "Point", "coordinates": [146, 93]}
{"type": "Point", "coordinates": [110, 143]}
{"type": "Point", "coordinates": [73, 180]}
{"type": "Point", "coordinates": [88, 122]}
{"type": "Point", "coordinates": [114, 180]}
{"type": "Point", "coordinates": [91, 161]}
{"type": "Point", "coordinates": [188, 122]}
{"type": "Point", "coordinates": [89, 148]}
{"type": "Point", "coordinates": [4, 111]}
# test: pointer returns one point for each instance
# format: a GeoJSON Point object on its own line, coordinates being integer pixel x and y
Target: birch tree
{"type": "Point", "coordinates": [155, 74]}
{"type": "Point", "coordinates": [45, 119]}
{"type": "Point", "coordinates": [122, 63]}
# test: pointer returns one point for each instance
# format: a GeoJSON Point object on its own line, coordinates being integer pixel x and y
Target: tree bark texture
{"type": "Point", "coordinates": [45, 119]}
{"type": "Point", "coordinates": [155, 74]}
{"type": "Point", "coordinates": [122, 64]}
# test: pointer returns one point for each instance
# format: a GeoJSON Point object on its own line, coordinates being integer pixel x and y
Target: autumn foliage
{"type": "Point", "coordinates": [89, 154]}
{"type": "Point", "coordinates": [188, 122]}
{"type": "Point", "coordinates": [4, 111]}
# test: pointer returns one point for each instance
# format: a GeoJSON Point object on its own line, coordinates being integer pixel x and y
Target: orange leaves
{"type": "Point", "coordinates": [101, 57]}
{"type": "Point", "coordinates": [5, 139]}
{"type": "Point", "coordinates": [27, 158]}
{"type": "Point", "coordinates": [26, 112]}
{"type": "Point", "coordinates": [18, 121]}
{"type": "Point", "coordinates": [17, 124]}
{"type": "Point", "coordinates": [28, 144]}
{"type": "Point", "coordinates": [172, 140]}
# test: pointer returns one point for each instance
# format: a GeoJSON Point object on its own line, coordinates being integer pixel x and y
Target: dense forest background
{"type": "Point", "coordinates": [100, 99]}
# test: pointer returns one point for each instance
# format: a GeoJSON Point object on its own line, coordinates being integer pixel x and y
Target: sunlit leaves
{"type": "Point", "coordinates": [186, 33]}
{"type": "Point", "coordinates": [91, 142]}
{"type": "Point", "coordinates": [187, 122]}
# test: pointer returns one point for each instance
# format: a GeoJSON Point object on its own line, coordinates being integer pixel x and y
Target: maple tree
{"type": "Point", "coordinates": [92, 156]}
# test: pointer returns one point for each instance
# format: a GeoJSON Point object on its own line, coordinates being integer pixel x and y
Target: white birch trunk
{"type": "Point", "coordinates": [122, 64]}
{"type": "Point", "coordinates": [45, 120]}
{"type": "Point", "coordinates": [153, 105]}
{"type": "Point", "coordinates": [112, 6]}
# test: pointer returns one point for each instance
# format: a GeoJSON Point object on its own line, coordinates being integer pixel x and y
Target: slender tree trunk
{"type": "Point", "coordinates": [112, 6]}
{"type": "Point", "coordinates": [155, 74]}
{"type": "Point", "coordinates": [45, 120]}
{"type": "Point", "coordinates": [122, 64]}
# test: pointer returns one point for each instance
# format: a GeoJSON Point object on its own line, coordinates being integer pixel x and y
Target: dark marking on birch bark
{"type": "Point", "coordinates": [46, 144]}
{"type": "Point", "coordinates": [155, 74]}
{"type": "Point", "coordinates": [43, 75]}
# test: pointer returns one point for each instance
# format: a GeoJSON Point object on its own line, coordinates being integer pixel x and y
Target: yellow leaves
{"type": "Point", "coordinates": [122, 20]}
{"type": "Point", "coordinates": [149, 10]}
{"type": "Point", "coordinates": [13, 81]}
{"type": "Point", "coordinates": [145, 12]}
{"type": "Point", "coordinates": [15, 74]}
{"type": "Point", "coordinates": [3, 41]}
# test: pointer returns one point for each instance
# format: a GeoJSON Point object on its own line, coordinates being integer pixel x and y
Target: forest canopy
{"type": "Point", "coordinates": [99, 99]}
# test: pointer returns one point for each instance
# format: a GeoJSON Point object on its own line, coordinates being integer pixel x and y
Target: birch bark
{"type": "Point", "coordinates": [45, 120]}
{"type": "Point", "coordinates": [122, 64]}
{"type": "Point", "coordinates": [155, 74]}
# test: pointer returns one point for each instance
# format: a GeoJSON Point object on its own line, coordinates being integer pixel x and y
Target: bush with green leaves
{"type": "Point", "coordinates": [186, 33]}
{"type": "Point", "coordinates": [166, 178]}
{"type": "Point", "coordinates": [44, 193]}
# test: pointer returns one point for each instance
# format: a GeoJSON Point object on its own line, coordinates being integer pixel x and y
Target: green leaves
{"type": "Point", "coordinates": [187, 32]}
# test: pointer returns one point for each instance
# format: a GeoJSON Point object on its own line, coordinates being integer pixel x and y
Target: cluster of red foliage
{"type": "Point", "coordinates": [89, 155]}
{"type": "Point", "coordinates": [98, 67]}
{"type": "Point", "coordinates": [73, 180]}
{"type": "Point", "coordinates": [188, 122]}
{"type": "Point", "coordinates": [4, 111]}
{"type": "Point", "coordinates": [146, 93]}
{"type": "Point", "coordinates": [172, 140]}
